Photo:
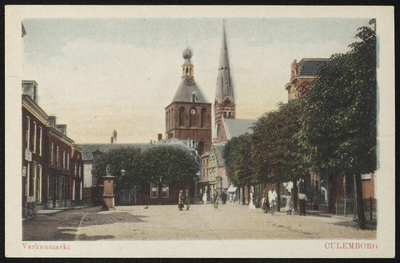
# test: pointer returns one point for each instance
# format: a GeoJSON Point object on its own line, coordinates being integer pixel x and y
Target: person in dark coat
{"type": "Point", "coordinates": [180, 201]}
{"type": "Point", "coordinates": [187, 199]}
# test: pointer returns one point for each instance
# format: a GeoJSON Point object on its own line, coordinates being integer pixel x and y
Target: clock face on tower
{"type": "Point", "coordinates": [190, 81]}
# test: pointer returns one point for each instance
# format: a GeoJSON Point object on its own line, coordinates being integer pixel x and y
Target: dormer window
{"type": "Point", "coordinates": [193, 97]}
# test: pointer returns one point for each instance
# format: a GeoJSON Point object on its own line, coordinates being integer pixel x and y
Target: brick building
{"type": "Point", "coordinates": [49, 158]}
{"type": "Point", "coordinates": [189, 114]}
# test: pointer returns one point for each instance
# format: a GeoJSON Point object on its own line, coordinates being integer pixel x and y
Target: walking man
{"type": "Point", "coordinates": [272, 196]}
{"type": "Point", "coordinates": [180, 201]}
{"type": "Point", "coordinates": [187, 197]}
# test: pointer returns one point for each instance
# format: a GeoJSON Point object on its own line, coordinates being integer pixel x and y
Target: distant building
{"type": "Point", "coordinates": [302, 74]}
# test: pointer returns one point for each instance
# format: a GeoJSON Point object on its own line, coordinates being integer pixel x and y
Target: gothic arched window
{"type": "Point", "coordinates": [203, 117]}
{"type": "Point", "coordinates": [172, 118]}
{"type": "Point", "coordinates": [224, 114]}
{"type": "Point", "coordinates": [181, 116]}
{"type": "Point", "coordinates": [193, 117]}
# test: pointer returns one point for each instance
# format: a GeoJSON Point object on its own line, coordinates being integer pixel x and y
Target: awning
{"type": "Point", "coordinates": [231, 188]}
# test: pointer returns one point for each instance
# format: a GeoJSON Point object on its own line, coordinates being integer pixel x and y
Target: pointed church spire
{"type": "Point", "coordinates": [224, 82]}
{"type": "Point", "coordinates": [224, 105]}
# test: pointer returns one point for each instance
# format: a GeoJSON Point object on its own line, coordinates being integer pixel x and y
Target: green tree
{"type": "Point", "coordinates": [169, 165]}
{"type": "Point", "coordinates": [339, 116]}
{"type": "Point", "coordinates": [128, 159]}
{"type": "Point", "coordinates": [277, 153]}
{"type": "Point", "coordinates": [238, 160]}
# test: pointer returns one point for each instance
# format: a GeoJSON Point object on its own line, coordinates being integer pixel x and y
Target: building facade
{"type": "Point", "coordinates": [48, 156]}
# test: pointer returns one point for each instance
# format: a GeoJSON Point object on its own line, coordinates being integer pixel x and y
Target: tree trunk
{"type": "Point", "coordinates": [360, 203]}
{"type": "Point", "coordinates": [278, 189]}
{"type": "Point", "coordinates": [295, 195]}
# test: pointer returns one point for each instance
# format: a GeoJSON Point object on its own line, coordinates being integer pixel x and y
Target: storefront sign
{"type": "Point", "coordinates": [28, 155]}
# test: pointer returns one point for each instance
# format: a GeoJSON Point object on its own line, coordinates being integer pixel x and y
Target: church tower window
{"type": "Point", "coordinates": [181, 116]}
{"type": "Point", "coordinates": [193, 118]}
{"type": "Point", "coordinates": [203, 117]}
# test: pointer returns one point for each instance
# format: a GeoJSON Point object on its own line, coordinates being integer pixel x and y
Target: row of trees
{"type": "Point", "coordinates": [331, 131]}
{"type": "Point", "coordinates": [162, 163]}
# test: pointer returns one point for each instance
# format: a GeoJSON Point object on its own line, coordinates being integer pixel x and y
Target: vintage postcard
{"type": "Point", "coordinates": [199, 131]}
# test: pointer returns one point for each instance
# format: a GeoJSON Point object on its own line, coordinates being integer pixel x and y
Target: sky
{"type": "Point", "coordinates": [98, 75]}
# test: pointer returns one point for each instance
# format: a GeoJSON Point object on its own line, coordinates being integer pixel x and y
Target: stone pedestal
{"type": "Point", "coordinates": [108, 192]}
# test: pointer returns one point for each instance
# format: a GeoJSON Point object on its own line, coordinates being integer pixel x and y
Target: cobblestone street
{"type": "Point", "coordinates": [231, 221]}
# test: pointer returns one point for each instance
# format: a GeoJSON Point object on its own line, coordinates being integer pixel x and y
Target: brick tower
{"type": "Point", "coordinates": [189, 114]}
{"type": "Point", "coordinates": [224, 105]}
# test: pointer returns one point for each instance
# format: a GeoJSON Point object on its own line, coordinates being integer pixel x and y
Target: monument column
{"type": "Point", "coordinates": [108, 190]}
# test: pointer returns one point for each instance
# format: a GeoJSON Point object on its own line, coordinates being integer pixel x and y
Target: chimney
{"type": "Point", "coordinates": [62, 128]}
{"type": "Point", "coordinates": [29, 87]}
{"type": "Point", "coordinates": [52, 121]}
{"type": "Point", "coordinates": [160, 136]}
{"type": "Point", "coordinates": [115, 136]}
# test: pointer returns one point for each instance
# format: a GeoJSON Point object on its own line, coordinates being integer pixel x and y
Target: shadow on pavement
{"type": "Point", "coordinates": [353, 224]}
{"type": "Point", "coordinates": [110, 218]}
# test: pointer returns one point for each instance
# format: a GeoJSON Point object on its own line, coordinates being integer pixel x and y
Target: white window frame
{"type": "Point", "coordinates": [151, 188]}
{"type": "Point", "coordinates": [28, 175]}
{"type": "Point", "coordinates": [64, 161]}
{"type": "Point", "coordinates": [76, 169]}
{"type": "Point", "coordinates": [73, 189]}
{"type": "Point", "coordinates": [58, 155]}
{"type": "Point", "coordinates": [80, 191]}
{"type": "Point", "coordinates": [164, 185]}
{"type": "Point", "coordinates": [40, 140]}
{"type": "Point", "coordinates": [38, 183]}
{"type": "Point", "coordinates": [34, 136]}
{"type": "Point", "coordinates": [28, 132]}
{"type": "Point", "coordinates": [68, 161]}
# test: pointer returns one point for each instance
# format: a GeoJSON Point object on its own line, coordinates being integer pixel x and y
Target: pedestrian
{"type": "Point", "coordinates": [204, 198]}
{"type": "Point", "coordinates": [302, 203]}
{"type": "Point", "coordinates": [234, 197]}
{"type": "Point", "coordinates": [180, 201]}
{"type": "Point", "coordinates": [289, 204]}
{"type": "Point", "coordinates": [265, 202]}
{"type": "Point", "coordinates": [272, 196]}
{"type": "Point", "coordinates": [216, 201]}
{"type": "Point", "coordinates": [251, 204]}
{"type": "Point", "coordinates": [187, 199]}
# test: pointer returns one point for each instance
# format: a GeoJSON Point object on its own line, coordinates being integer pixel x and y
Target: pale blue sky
{"type": "Point", "coordinates": [99, 75]}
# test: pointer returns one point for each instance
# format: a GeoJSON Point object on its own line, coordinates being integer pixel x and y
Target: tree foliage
{"type": "Point", "coordinates": [277, 154]}
{"type": "Point", "coordinates": [171, 165]}
{"type": "Point", "coordinates": [238, 160]}
{"type": "Point", "coordinates": [128, 159]}
{"type": "Point", "coordinates": [339, 117]}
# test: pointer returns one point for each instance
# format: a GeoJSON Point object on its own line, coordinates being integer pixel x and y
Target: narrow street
{"type": "Point", "coordinates": [231, 221]}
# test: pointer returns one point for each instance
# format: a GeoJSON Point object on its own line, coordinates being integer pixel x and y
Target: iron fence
{"type": "Point", "coordinates": [370, 208]}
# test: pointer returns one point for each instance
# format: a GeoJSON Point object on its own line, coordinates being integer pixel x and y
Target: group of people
{"type": "Point", "coordinates": [183, 199]}
{"type": "Point", "coordinates": [268, 203]}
